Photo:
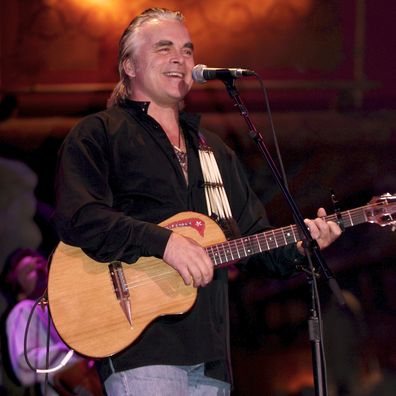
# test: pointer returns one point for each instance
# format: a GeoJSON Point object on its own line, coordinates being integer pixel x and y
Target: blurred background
{"type": "Point", "coordinates": [329, 68]}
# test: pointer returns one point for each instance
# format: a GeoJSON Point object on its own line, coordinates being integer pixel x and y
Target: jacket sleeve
{"type": "Point", "coordinates": [84, 213]}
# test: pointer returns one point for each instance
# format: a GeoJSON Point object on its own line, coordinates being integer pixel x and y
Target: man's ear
{"type": "Point", "coordinates": [129, 68]}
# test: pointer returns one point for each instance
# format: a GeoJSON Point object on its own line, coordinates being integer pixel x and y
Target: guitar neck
{"type": "Point", "coordinates": [236, 249]}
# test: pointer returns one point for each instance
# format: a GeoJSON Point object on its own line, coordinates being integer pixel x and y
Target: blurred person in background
{"type": "Point", "coordinates": [24, 280]}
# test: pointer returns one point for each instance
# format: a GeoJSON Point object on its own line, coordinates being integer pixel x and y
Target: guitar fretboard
{"type": "Point", "coordinates": [236, 249]}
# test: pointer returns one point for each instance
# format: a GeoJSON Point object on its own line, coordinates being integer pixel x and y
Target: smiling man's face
{"type": "Point", "coordinates": [161, 66]}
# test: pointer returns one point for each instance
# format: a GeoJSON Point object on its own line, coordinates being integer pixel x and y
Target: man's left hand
{"type": "Point", "coordinates": [322, 231]}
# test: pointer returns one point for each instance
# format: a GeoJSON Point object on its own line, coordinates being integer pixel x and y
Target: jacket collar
{"type": "Point", "coordinates": [191, 119]}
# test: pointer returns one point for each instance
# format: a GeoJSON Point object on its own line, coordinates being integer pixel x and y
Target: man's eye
{"type": "Point", "coordinates": [188, 52]}
{"type": "Point", "coordinates": [163, 49]}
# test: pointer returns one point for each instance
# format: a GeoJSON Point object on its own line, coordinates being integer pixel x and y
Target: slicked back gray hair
{"type": "Point", "coordinates": [128, 45]}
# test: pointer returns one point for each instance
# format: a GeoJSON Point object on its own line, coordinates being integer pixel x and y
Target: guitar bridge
{"type": "Point", "coordinates": [121, 289]}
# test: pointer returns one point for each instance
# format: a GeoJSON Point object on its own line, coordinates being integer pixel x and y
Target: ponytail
{"type": "Point", "coordinates": [118, 96]}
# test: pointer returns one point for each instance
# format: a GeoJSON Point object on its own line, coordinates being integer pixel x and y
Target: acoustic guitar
{"type": "Point", "coordinates": [99, 309]}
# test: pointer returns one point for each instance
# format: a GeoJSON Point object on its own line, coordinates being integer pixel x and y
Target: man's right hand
{"type": "Point", "coordinates": [189, 259]}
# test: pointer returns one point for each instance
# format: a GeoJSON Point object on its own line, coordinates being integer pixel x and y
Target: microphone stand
{"type": "Point", "coordinates": [310, 245]}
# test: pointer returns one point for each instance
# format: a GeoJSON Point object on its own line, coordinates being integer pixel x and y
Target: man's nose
{"type": "Point", "coordinates": [177, 57]}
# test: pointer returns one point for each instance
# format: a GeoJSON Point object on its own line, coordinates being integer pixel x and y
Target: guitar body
{"type": "Point", "coordinates": [84, 305]}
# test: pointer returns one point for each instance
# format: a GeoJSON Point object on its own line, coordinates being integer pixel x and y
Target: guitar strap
{"type": "Point", "coordinates": [218, 209]}
{"type": "Point", "coordinates": [215, 194]}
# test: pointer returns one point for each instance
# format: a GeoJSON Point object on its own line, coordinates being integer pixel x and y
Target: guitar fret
{"type": "Point", "coordinates": [227, 251]}
{"type": "Point", "coordinates": [350, 217]}
{"type": "Point", "coordinates": [293, 228]}
{"type": "Point", "coordinates": [237, 249]}
{"type": "Point", "coordinates": [276, 242]}
{"type": "Point", "coordinates": [234, 250]}
{"type": "Point", "coordinates": [289, 236]}
{"type": "Point", "coordinates": [244, 250]}
{"type": "Point", "coordinates": [284, 236]}
{"type": "Point", "coordinates": [271, 242]}
{"type": "Point", "coordinates": [258, 243]}
{"type": "Point", "coordinates": [217, 256]}
{"type": "Point", "coordinates": [279, 237]}
{"type": "Point", "coordinates": [231, 245]}
{"type": "Point", "coordinates": [266, 241]}
{"type": "Point", "coordinates": [355, 217]}
{"type": "Point", "coordinates": [211, 255]}
{"type": "Point", "coordinates": [345, 219]}
{"type": "Point", "coordinates": [250, 249]}
{"type": "Point", "coordinates": [209, 250]}
{"type": "Point", "coordinates": [254, 245]}
{"type": "Point", "coordinates": [223, 254]}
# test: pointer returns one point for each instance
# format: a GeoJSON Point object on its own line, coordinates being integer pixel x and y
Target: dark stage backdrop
{"type": "Point", "coordinates": [76, 41]}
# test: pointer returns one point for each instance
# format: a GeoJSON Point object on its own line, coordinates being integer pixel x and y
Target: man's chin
{"type": "Point", "coordinates": [183, 89]}
{"type": "Point", "coordinates": [175, 99]}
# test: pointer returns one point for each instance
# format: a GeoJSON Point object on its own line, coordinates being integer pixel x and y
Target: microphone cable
{"type": "Point", "coordinates": [272, 127]}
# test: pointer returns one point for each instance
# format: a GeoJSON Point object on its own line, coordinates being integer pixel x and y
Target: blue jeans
{"type": "Point", "coordinates": [165, 380]}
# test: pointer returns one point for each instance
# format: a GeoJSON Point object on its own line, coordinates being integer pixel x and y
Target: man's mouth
{"type": "Point", "coordinates": [174, 74]}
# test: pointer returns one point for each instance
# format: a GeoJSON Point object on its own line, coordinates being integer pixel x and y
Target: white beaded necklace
{"type": "Point", "coordinates": [216, 197]}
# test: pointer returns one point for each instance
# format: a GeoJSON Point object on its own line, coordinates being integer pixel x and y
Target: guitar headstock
{"type": "Point", "coordinates": [382, 210]}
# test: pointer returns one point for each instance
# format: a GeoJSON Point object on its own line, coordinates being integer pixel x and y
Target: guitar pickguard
{"type": "Point", "coordinates": [193, 222]}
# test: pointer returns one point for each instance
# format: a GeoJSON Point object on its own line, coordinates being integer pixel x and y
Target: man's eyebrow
{"type": "Point", "coordinates": [189, 45]}
{"type": "Point", "coordinates": [162, 43]}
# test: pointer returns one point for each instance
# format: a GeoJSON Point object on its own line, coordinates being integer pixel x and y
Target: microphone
{"type": "Point", "coordinates": [202, 73]}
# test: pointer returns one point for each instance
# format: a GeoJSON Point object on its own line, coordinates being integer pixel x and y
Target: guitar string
{"type": "Point", "coordinates": [213, 256]}
{"type": "Point", "coordinates": [146, 281]}
{"type": "Point", "coordinates": [137, 283]}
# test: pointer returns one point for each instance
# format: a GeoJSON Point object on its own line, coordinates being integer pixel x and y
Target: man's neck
{"type": "Point", "coordinates": [167, 117]}
{"type": "Point", "coordinates": [163, 114]}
